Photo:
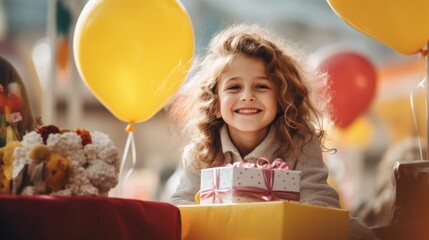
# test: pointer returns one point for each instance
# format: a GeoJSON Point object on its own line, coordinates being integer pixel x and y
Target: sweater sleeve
{"type": "Point", "coordinates": [189, 183]}
{"type": "Point", "coordinates": [315, 190]}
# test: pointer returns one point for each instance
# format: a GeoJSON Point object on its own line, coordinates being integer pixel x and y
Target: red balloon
{"type": "Point", "coordinates": [353, 84]}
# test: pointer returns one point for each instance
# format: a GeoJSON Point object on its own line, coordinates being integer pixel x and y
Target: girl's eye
{"type": "Point", "coordinates": [262, 86]}
{"type": "Point", "coordinates": [233, 87]}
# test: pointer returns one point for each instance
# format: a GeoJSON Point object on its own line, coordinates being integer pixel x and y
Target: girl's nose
{"type": "Point", "coordinates": [247, 96]}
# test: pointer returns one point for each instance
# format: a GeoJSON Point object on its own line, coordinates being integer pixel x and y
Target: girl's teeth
{"type": "Point", "coordinates": [247, 111]}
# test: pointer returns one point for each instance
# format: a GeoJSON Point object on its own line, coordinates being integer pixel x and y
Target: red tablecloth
{"type": "Point", "coordinates": [45, 217]}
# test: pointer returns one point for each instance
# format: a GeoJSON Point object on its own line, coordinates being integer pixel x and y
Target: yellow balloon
{"type": "Point", "coordinates": [399, 24]}
{"type": "Point", "coordinates": [359, 133]}
{"type": "Point", "coordinates": [133, 54]}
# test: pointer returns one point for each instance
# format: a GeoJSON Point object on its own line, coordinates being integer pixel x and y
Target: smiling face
{"type": "Point", "coordinates": [247, 98]}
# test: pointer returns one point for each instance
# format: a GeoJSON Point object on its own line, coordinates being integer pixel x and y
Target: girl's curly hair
{"type": "Point", "coordinates": [299, 108]}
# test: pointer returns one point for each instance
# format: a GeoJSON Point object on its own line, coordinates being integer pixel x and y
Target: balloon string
{"type": "Point", "coordinates": [421, 84]}
{"type": "Point", "coordinates": [122, 179]}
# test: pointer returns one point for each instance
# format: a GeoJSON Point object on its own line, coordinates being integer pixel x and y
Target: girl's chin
{"type": "Point", "coordinates": [249, 129]}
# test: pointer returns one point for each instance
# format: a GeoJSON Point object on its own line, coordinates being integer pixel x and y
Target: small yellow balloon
{"type": "Point", "coordinates": [133, 54]}
{"type": "Point", "coordinates": [399, 24]}
{"type": "Point", "coordinates": [358, 134]}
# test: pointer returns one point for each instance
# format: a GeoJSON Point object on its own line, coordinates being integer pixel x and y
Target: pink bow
{"type": "Point", "coordinates": [262, 162]}
{"type": "Point", "coordinates": [214, 193]}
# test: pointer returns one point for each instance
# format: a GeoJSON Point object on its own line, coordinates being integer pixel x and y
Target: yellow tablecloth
{"type": "Point", "coordinates": [263, 220]}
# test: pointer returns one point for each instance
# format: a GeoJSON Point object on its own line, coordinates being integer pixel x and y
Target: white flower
{"type": "Point", "coordinates": [31, 139]}
{"type": "Point", "coordinates": [87, 190]}
{"type": "Point", "coordinates": [91, 151]}
{"type": "Point", "coordinates": [106, 150]}
{"type": "Point", "coordinates": [102, 175]}
{"type": "Point", "coordinates": [64, 144]}
{"type": "Point", "coordinates": [77, 158]}
{"type": "Point", "coordinates": [65, 192]}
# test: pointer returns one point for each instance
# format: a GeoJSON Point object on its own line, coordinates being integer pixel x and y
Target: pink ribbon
{"type": "Point", "coordinates": [215, 192]}
{"type": "Point", "coordinates": [277, 163]}
{"type": "Point", "coordinates": [252, 192]}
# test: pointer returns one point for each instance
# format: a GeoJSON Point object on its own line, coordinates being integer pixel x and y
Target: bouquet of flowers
{"type": "Point", "coordinates": [61, 162]}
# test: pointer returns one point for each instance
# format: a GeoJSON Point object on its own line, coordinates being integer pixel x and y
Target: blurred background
{"type": "Point", "coordinates": [36, 36]}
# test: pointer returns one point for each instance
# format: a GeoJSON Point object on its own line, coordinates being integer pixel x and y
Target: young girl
{"type": "Point", "coordinates": [253, 100]}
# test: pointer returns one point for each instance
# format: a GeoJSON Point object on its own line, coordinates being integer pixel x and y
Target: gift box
{"type": "Point", "coordinates": [263, 220]}
{"type": "Point", "coordinates": [244, 182]}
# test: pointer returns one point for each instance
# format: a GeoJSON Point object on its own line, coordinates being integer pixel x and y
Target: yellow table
{"type": "Point", "coordinates": [263, 220]}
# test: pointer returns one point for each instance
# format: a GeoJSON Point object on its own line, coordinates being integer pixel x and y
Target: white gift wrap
{"type": "Point", "coordinates": [231, 177]}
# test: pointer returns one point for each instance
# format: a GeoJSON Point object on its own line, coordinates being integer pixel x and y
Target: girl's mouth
{"type": "Point", "coordinates": [247, 111]}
